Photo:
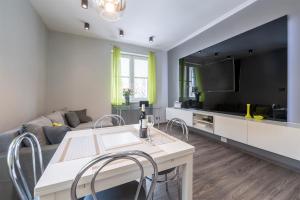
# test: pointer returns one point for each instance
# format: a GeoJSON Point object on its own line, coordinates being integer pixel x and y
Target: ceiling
{"type": "Point", "coordinates": [171, 22]}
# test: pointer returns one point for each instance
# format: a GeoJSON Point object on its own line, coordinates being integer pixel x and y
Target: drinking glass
{"type": "Point", "coordinates": [150, 124]}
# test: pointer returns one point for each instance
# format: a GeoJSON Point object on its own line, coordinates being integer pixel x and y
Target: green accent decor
{"type": "Point", "coordinates": [199, 83]}
{"type": "Point", "coordinates": [116, 91]}
{"type": "Point", "coordinates": [181, 78]}
{"type": "Point", "coordinates": [151, 78]}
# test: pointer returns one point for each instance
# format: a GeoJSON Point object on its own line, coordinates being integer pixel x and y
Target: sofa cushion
{"type": "Point", "coordinates": [72, 119]}
{"type": "Point", "coordinates": [55, 134]}
{"type": "Point", "coordinates": [36, 127]}
{"type": "Point", "coordinates": [63, 114]}
{"type": "Point", "coordinates": [83, 118]}
{"type": "Point", "coordinates": [6, 138]}
{"type": "Point", "coordinates": [56, 117]}
{"type": "Point", "coordinates": [90, 125]}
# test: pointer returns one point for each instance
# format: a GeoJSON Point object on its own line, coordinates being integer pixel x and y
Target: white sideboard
{"type": "Point", "coordinates": [282, 138]}
{"type": "Point", "coordinates": [232, 128]}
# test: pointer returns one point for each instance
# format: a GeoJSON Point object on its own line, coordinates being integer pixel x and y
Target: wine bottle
{"type": "Point", "coordinates": [143, 123]}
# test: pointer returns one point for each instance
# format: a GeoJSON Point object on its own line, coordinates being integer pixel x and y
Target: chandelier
{"type": "Point", "coordinates": [110, 10]}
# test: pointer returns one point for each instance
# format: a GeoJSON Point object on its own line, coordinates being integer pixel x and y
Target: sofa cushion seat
{"type": "Point", "coordinates": [89, 125]}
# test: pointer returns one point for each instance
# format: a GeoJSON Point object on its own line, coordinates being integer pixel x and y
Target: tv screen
{"type": "Point", "coordinates": [218, 76]}
{"type": "Point", "coordinates": [248, 68]}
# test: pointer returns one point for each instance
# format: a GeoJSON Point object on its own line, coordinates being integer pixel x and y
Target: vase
{"type": "Point", "coordinates": [248, 115]}
{"type": "Point", "coordinates": [127, 102]}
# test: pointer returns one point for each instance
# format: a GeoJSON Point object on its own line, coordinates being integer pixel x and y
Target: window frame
{"type": "Point", "coordinates": [131, 77]}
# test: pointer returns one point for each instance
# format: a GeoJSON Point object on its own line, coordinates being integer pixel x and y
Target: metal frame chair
{"type": "Point", "coordinates": [108, 158]}
{"type": "Point", "coordinates": [118, 118]}
{"type": "Point", "coordinates": [175, 177]}
{"type": "Point", "coordinates": [15, 170]}
{"type": "Point", "coordinates": [181, 123]}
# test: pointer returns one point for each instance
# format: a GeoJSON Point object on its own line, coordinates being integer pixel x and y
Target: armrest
{"type": "Point", "coordinates": [6, 186]}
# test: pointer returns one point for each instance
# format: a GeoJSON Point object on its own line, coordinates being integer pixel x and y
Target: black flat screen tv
{"type": "Point", "coordinates": [248, 68]}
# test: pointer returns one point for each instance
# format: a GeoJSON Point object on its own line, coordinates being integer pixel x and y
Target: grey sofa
{"type": "Point", "coordinates": [7, 190]}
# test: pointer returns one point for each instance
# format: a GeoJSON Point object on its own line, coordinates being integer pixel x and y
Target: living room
{"type": "Point", "coordinates": [59, 58]}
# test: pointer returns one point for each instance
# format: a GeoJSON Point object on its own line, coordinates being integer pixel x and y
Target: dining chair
{"type": "Point", "coordinates": [178, 122]}
{"type": "Point", "coordinates": [127, 191]}
{"type": "Point", "coordinates": [163, 175]}
{"type": "Point", "coordinates": [14, 166]}
{"type": "Point", "coordinates": [119, 119]}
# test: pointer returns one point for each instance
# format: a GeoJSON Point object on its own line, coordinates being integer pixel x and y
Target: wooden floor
{"type": "Point", "coordinates": [223, 173]}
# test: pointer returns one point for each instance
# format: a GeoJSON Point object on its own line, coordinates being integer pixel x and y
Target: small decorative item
{"type": "Point", "coordinates": [248, 115]}
{"type": "Point", "coordinates": [258, 117]}
{"type": "Point", "coordinates": [127, 92]}
{"type": "Point", "coordinates": [197, 93]}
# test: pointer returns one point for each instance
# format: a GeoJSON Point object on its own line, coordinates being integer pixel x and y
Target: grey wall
{"type": "Point", "coordinates": [255, 15]}
{"type": "Point", "coordinates": [23, 40]}
{"type": "Point", "coordinates": [78, 73]}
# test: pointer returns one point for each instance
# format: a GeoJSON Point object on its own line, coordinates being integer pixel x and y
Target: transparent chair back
{"type": "Point", "coordinates": [14, 166]}
{"type": "Point", "coordinates": [179, 123]}
{"type": "Point", "coordinates": [107, 159]}
{"type": "Point", "coordinates": [119, 120]}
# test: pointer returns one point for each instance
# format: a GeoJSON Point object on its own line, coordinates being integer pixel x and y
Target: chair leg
{"type": "Point", "coordinates": [167, 184]}
{"type": "Point", "coordinates": [178, 183]}
{"type": "Point", "coordinates": [145, 184]}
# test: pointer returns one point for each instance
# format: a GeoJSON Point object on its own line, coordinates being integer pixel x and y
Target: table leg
{"type": "Point", "coordinates": [187, 179]}
{"type": "Point", "coordinates": [158, 117]}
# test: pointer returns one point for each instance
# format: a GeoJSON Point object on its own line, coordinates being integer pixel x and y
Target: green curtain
{"type": "Point", "coordinates": [181, 78]}
{"type": "Point", "coordinates": [151, 78]}
{"type": "Point", "coordinates": [199, 83]}
{"type": "Point", "coordinates": [116, 92]}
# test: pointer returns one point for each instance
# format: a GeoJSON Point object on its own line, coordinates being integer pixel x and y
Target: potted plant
{"type": "Point", "coordinates": [127, 92]}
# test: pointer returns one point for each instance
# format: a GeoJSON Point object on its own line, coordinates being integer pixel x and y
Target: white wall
{"type": "Point", "coordinates": [78, 73]}
{"type": "Point", "coordinates": [23, 40]}
{"type": "Point", "coordinates": [255, 15]}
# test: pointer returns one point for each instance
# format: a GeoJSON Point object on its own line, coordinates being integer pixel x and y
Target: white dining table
{"type": "Point", "coordinates": [80, 147]}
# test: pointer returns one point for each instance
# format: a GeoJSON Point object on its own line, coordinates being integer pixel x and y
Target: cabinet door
{"type": "Point", "coordinates": [278, 139]}
{"type": "Point", "coordinates": [231, 128]}
{"type": "Point", "coordinates": [185, 115]}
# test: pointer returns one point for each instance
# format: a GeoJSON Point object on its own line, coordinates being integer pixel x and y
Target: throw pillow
{"type": "Point", "coordinates": [55, 134]}
{"type": "Point", "coordinates": [36, 127]}
{"type": "Point", "coordinates": [72, 119]}
{"type": "Point", "coordinates": [56, 124]}
{"type": "Point", "coordinates": [82, 116]}
{"type": "Point", "coordinates": [56, 117]}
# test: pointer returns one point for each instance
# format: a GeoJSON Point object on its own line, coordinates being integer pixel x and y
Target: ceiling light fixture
{"type": "Point", "coordinates": [110, 10]}
{"type": "Point", "coordinates": [86, 26]}
{"type": "Point", "coordinates": [121, 33]}
{"type": "Point", "coordinates": [151, 39]}
{"type": "Point", "coordinates": [84, 4]}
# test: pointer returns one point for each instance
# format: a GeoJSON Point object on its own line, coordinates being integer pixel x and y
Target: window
{"type": "Point", "coordinates": [192, 81]}
{"type": "Point", "coordinates": [134, 74]}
